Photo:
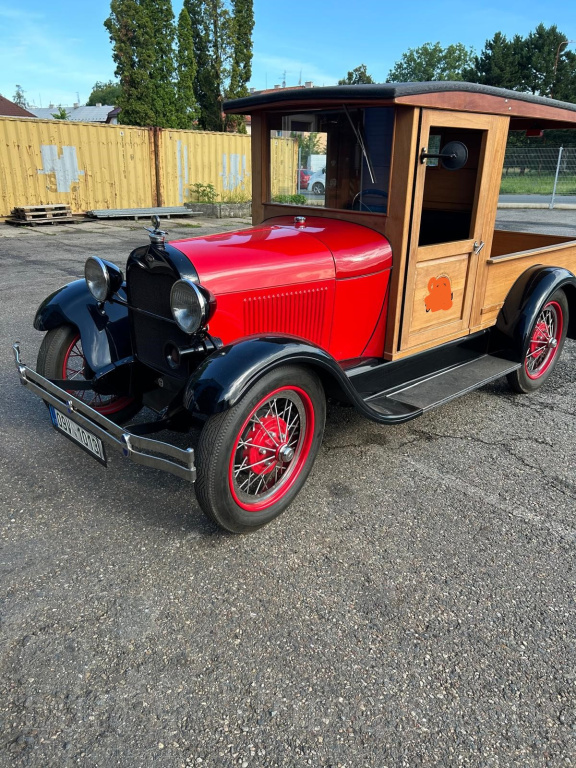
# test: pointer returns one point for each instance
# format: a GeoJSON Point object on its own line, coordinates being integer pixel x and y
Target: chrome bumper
{"type": "Point", "coordinates": [141, 450]}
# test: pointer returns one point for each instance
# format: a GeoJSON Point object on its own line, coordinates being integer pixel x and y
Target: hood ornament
{"type": "Point", "coordinates": [157, 235]}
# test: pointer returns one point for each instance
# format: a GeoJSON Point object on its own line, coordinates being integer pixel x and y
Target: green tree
{"type": "Point", "coordinates": [308, 144]}
{"type": "Point", "coordinates": [357, 76]}
{"type": "Point", "coordinates": [163, 71]}
{"type": "Point", "coordinates": [105, 93]}
{"type": "Point", "coordinates": [242, 26]}
{"type": "Point", "coordinates": [132, 38]}
{"type": "Point", "coordinates": [498, 63]}
{"type": "Point", "coordinates": [222, 33]}
{"type": "Point", "coordinates": [19, 97]}
{"type": "Point", "coordinates": [186, 72]}
{"type": "Point", "coordinates": [432, 62]}
{"type": "Point", "coordinates": [61, 114]}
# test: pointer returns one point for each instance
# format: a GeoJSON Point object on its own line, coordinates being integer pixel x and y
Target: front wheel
{"type": "Point", "coordinates": [318, 188]}
{"type": "Point", "coordinates": [253, 459]}
{"type": "Point", "coordinates": [547, 338]}
{"type": "Point", "coordinates": [61, 357]}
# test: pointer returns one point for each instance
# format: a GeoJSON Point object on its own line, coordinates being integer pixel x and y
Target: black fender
{"type": "Point", "coordinates": [523, 303]}
{"type": "Point", "coordinates": [224, 377]}
{"type": "Point", "coordinates": [105, 330]}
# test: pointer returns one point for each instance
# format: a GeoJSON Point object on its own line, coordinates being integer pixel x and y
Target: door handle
{"type": "Point", "coordinates": [478, 248]}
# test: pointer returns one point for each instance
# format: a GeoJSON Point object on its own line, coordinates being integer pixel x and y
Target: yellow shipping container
{"type": "Point", "coordinates": [223, 160]}
{"type": "Point", "coordinates": [84, 165]}
{"type": "Point", "coordinates": [283, 166]}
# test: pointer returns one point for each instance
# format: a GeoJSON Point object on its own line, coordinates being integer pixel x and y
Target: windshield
{"type": "Point", "coordinates": [346, 151]}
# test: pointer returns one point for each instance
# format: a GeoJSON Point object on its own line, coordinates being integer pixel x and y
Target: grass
{"type": "Point", "coordinates": [535, 184]}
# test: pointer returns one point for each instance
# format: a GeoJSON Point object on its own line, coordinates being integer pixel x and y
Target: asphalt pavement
{"type": "Point", "coordinates": [414, 607]}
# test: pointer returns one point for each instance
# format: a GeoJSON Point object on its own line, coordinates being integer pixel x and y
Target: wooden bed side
{"type": "Point", "coordinates": [506, 242]}
{"type": "Point", "coordinates": [503, 271]}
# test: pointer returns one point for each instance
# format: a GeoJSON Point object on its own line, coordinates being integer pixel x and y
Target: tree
{"type": "Point", "coordinates": [527, 64]}
{"type": "Point", "coordinates": [19, 97]}
{"type": "Point", "coordinates": [357, 76]}
{"type": "Point", "coordinates": [163, 70]}
{"type": "Point", "coordinates": [186, 72]}
{"type": "Point", "coordinates": [498, 63]}
{"type": "Point", "coordinates": [432, 62]}
{"type": "Point", "coordinates": [223, 49]}
{"type": "Point", "coordinates": [308, 144]}
{"type": "Point", "coordinates": [132, 38]}
{"type": "Point", "coordinates": [241, 30]}
{"type": "Point", "coordinates": [105, 93]}
{"type": "Point", "coordinates": [61, 114]}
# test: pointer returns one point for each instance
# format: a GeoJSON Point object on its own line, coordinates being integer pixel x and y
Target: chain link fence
{"type": "Point", "coordinates": [544, 171]}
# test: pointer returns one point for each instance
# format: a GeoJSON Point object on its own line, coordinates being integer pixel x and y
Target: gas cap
{"type": "Point", "coordinates": [300, 221]}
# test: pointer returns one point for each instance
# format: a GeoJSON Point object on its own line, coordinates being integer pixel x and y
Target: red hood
{"type": "Point", "coordinates": [279, 253]}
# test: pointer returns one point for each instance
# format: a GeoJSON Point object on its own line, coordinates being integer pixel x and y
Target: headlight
{"type": "Point", "coordinates": [102, 278]}
{"type": "Point", "coordinates": [190, 308]}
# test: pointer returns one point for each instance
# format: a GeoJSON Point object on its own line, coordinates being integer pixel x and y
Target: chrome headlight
{"type": "Point", "coordinates": [102, 278]}
{"type": "Point", "coordinates": [190, 308]}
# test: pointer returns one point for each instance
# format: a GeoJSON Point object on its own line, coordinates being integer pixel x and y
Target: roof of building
{"type": "Point", "coordinates": [81, 113]}
{"type": "Point", "coordinates": [445, 94]}
{"type": "Point", "coordinates": [8, 108]}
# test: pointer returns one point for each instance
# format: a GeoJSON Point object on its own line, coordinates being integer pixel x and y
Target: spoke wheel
{"type": "Point", "coordinates": [545, 339]}
{"type": "Point", "coordinates": [253, 459]}
{"type": "Point", "coordinates": [61, 357]}
{"type": "Point", "coordinates": [545, 343]}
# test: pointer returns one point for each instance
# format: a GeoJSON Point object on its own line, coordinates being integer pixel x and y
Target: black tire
{"type": "Point", "coordinates": [547, 337]}
{"type": "Point", "coordinates": [55, 356]}
{"type": "Point", "coordinates": [318, 188]}
{"type": "Point", "coordinates": [280, 423]}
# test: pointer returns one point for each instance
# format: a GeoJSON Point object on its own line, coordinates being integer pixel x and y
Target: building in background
{"type": "Point", "coordinates": [9, 109]}
{"type": "Point", "coordinates": [101, 113]}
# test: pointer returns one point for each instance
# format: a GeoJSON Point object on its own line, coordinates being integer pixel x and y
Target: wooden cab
{"type": "Point", "coordinates": [452, 269]}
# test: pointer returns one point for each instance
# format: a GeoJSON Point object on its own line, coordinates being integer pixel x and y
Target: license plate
{"type": "Point", "coordinates": [86, 440]}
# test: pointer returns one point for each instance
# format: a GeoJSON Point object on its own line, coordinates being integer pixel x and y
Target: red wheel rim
{"type": "Point", "coordinates": [271, 449]}
{"type": "Point", "coordinates": [73, 367]}
{"type": "Point", "coordinates": [544, 342]}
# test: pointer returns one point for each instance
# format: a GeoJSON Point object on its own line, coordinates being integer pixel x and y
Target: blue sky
{"type": "Point", "coordinates": [59, 49]}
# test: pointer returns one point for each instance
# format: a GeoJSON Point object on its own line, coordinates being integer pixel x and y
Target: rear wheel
{"type": "Point", "coordinates": [318, 188]}
{"type": "Point", "coordinates": [253, 459]}
{"type": "Point", "coordinates": [61, 357]}
{"type": "Point", "coordinates": [547, 338]}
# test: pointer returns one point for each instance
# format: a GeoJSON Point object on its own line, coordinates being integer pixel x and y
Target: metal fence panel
{"type": "Point", "coordinates": [84, 165]}
{"type": "Point", "coordinates": [532, 171]}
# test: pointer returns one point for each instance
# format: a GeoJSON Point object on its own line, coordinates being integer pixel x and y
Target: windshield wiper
{"type": "Point", "coordinates": [360, 141]}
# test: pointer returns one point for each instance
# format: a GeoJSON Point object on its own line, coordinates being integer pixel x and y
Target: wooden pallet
{"type": "Point", "coordinates": [41, 212]}
{"type": "Point", "coordinates": [15, 222]}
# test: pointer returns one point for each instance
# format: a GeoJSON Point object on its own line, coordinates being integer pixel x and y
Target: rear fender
{"type": "Point", "coordinates": [105, 332]}
{"type": "Point", "coordinates": [523, 303]}
{"type": "Point", "coordinates": [224, 377]}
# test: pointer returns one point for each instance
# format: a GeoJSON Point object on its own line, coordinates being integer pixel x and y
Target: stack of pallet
{"type": "Point", "coordinates": [30, 215]}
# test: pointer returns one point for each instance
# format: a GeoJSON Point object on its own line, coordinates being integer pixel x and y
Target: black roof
{"type": "Point", "coordinates": [383, 91]}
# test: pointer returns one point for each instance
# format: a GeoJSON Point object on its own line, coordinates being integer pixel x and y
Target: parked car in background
{"type": "Point", "coordinates": [303, 178]}
{"type": "Point", "coordinates": [317, 182]}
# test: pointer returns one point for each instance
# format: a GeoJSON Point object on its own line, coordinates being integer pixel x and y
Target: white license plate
{"type": "Point", "coordinates": [86, 440]}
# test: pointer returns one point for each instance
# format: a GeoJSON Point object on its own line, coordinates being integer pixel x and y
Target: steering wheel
{"type": "Point", "coordinates": [357, 202]}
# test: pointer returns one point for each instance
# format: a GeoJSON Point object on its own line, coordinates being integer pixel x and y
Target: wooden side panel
{"type": "Point", "coordinates": [439, 302]}
{"type": "Point", "coordinates": [504, 271]}
{"type": "Point", "coordinates": [507, 242]}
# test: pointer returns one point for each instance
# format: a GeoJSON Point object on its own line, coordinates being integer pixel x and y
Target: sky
{"type": "Point", "coordinates": [57, 50]}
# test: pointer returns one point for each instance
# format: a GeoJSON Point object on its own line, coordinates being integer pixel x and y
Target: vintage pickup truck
{"type": "Point", "coordinates": [392, 291]}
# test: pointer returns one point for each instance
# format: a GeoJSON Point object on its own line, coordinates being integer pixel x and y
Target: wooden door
{"type": "Point", "coordinates": [453, 218]}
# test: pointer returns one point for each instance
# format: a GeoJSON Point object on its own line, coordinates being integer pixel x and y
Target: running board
{"type": "Point", "coordinates": [413, 398]}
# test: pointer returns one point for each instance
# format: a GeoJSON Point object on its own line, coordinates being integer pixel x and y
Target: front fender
{"type": "Point", "coordinates": [224, 377]}
{"type": "Point", "coordinates": [523, 303]}
{"type": "Point", "coordinates": [105, 332]}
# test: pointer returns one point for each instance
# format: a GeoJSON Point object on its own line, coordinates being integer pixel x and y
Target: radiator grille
{"type": "Point", "coordinates": [298, 313]}
{"type": "Point", "coordinates": [150, 290]}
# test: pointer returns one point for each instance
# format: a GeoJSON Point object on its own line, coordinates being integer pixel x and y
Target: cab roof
{"type": "Point", "coordinates": [526, 109]}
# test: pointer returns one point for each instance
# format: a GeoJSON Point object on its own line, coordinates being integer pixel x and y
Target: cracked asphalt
{"type": "Point", "coordinates": [414, 607]}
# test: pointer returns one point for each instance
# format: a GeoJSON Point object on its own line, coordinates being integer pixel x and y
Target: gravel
{"type": "Point", "coordinates": [414, 607]}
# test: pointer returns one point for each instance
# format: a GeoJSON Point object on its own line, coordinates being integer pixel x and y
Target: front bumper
{"type": "Point", "coordinates": [141, 450]}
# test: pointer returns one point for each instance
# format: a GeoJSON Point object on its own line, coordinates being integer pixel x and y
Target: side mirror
{"type": "Point", "coordinates": [453, 156]}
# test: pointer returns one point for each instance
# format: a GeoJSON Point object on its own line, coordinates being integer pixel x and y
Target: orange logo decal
{"type": "Point", "coordinates": [439, 294]}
